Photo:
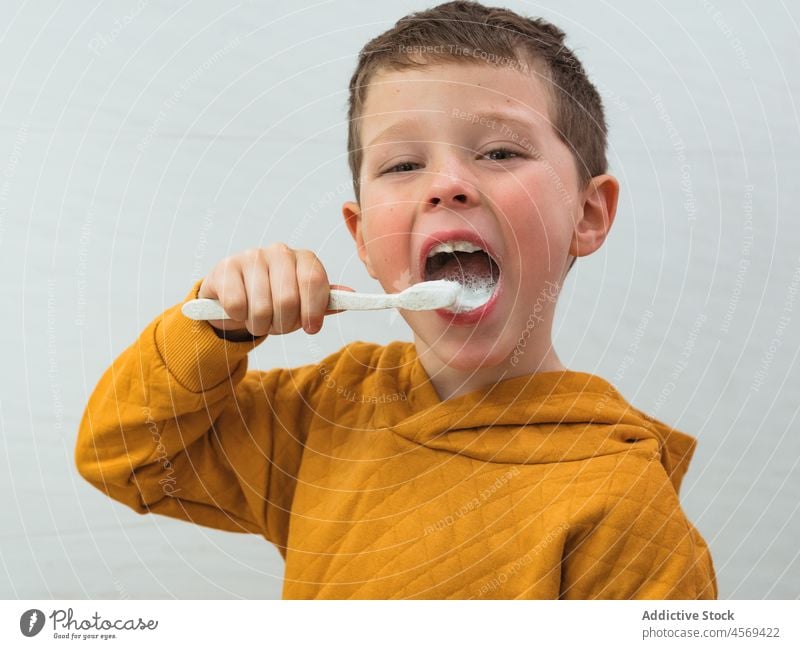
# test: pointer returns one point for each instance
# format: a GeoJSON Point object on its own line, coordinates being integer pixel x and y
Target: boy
{"type": "Point", "coordinates": [471, 463]}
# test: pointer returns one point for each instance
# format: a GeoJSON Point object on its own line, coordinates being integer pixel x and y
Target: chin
{"type": "Point", "coordinates": [470, 355]}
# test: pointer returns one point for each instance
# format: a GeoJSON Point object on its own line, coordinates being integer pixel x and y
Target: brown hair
{"type": "Point", "coordinates": [456, 30]}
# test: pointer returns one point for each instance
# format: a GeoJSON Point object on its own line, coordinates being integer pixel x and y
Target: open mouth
{"type": "Point", "coordinates": [467, 264]}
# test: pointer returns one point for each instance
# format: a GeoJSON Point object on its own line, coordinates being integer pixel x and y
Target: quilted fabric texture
{"type": "Point", "coordinates": [542, 486]}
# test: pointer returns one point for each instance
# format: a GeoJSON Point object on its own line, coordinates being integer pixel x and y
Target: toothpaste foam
{"type": "Point", "coordinates": [475, 291]}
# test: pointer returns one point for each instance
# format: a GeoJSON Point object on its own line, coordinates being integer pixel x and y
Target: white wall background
{"type": "Point", "coordinates": [142, 142]}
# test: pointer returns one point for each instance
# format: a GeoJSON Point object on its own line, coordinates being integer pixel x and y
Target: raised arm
{"type": "Point", "coordinates": [178, 426]}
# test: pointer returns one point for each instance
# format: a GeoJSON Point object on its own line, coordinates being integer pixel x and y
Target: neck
{"type": "Point", "coordinates": [450, 382]}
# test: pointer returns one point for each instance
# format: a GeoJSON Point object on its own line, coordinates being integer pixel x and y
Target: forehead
{"type": "Point", "coordinates": [446, 89]}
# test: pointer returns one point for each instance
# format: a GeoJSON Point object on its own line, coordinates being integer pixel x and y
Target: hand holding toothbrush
{"type": "Point", "coordinates": [276, 290]}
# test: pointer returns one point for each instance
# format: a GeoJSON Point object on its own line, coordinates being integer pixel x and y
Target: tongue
{"type": "Point", "coordinates": [475, 271]}
{"type": "Point", "coordinates": [464, 266]}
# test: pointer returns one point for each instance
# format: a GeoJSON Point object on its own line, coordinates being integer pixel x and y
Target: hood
{"type": "Point", "coordinates": [533, 419]}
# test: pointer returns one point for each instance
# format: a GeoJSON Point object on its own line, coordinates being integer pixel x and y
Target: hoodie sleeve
{"type": "Point", "coordinates": [177, 426]}
{"type": "Point", "coordinates": [643, 546]}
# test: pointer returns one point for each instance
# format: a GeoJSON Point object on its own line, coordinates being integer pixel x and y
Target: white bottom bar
{"type": "Point", "coordinates": [402, 624]}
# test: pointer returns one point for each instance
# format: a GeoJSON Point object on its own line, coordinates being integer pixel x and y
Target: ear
{"type": "Point", "coordinates": [599, 200]}
{"type": "Point", "coordinates": [352, 217]}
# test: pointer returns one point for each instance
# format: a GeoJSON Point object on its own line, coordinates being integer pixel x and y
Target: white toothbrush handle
{"type": "Point", "coordinates": [206, 309]}
{"type": "Point", "coordinates": [350, 301]}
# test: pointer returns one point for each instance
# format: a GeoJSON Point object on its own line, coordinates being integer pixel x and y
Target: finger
{"type": "Point", "coordinates": [206, 289]}
{"type": "Point", "coordinates": [312, 281]}
{"type": "Point", "coordinates": [283, 285]}
{"type": "Point", "coordinates": [231, 295]}
{"type": "Point", "coordinates": [259, 297]}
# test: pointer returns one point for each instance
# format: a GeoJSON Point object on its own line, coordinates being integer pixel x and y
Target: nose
{"type": "Point", "coordinates": [452, 187]}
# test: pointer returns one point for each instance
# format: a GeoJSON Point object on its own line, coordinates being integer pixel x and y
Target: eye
{"type": "Point", "coordinates": [397, 168]}
{"type": "Point", "coordinates": [505, 152]}
{"type": "Point", "coordinates": [405, 167]}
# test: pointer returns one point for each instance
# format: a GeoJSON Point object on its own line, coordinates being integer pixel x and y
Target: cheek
{"type": "Point", "coordinates": [381, 228]}
{"type": "Point", "coordinates": [524, 215]}
{"type": "Point", "coordinates": [537, 222]}
{"type": "Point", "coordinates": [388, 245]}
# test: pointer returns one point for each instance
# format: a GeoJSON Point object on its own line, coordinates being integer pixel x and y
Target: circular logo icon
{"type": "Point", "coordinates": [31, 622]}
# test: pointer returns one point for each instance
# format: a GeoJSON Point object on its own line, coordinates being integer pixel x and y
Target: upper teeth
{"type": "Point", "coordinates": [453, 246]}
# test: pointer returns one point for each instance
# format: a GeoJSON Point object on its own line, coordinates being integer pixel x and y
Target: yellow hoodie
{"type": "Point", "coordinates": [542, 486]}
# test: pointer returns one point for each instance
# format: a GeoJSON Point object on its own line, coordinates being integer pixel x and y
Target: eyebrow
{"type": "Point", "coordinates": [499, 117]}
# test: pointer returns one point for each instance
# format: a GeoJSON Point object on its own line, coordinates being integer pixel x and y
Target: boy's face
{"type": "Point", "coordinates": [436, 174]}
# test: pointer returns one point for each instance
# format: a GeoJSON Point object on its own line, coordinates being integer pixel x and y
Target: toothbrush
{"type": "Point", "coordinates": [424, 296]}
